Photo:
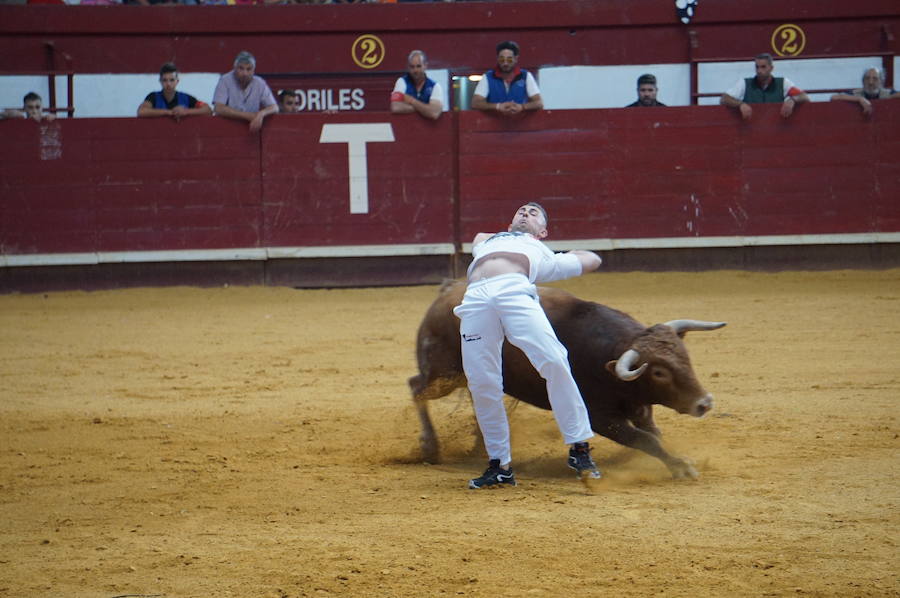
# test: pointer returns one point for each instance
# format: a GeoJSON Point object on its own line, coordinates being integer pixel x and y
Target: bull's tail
{"type": "Point", "coordinates": [428, 390]}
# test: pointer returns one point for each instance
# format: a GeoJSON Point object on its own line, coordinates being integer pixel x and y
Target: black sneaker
{"type": "Point", "coordinates": [494, 477]}
{"type": "Point", "coordinates": [580, 460]}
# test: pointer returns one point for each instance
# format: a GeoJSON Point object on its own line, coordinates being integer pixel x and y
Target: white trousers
{"type": "Point", "coordinates": [508, 306]}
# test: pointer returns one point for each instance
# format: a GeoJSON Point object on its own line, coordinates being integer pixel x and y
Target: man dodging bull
{"type": "Point", "coordinates": [501, 301]}
{"type": "Point", "coordinates": [621, 367]}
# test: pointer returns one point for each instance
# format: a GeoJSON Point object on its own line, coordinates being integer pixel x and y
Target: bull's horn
{"type": "Point", "coordinates": [625, 363]}
{"type": "Point", "coordinates": [682, 326]}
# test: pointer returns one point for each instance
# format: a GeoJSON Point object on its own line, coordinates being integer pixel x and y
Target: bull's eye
{"type": "Point", "coordinates": [659, 374]}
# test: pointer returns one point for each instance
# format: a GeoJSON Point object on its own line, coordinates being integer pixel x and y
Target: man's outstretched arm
{"type": "Point", "coordinates": [590, 261]}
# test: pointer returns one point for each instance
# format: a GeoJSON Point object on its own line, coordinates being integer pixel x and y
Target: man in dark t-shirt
{"type": "Point", "coordinates": [168, 102]}
{"type": "Point", "coordinates": [646, 88]}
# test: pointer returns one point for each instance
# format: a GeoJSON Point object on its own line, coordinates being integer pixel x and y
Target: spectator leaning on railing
{"type": "Point", "coordinates": [763, 89]}
{"type": "Point", "coordinates": [168, 101]}
{"type": "Point", "coordinates": [507, 89]}
{"type": "Point", "coordinates": [31, 108]}
{"type": "Point", "coordinates": [873, 89]}
{"type": "Point", "coordinates": [415, 92]}
{"type": "Point", "coordinates": [242, 95]}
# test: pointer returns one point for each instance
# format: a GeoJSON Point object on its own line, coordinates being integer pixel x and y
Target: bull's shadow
{"type": "Point", "coordinates": [621, 367]}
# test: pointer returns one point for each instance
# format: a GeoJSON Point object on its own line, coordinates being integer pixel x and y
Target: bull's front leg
{"type": "Point", "coordinates": [428, 441]}
{"type": "Point", "coordinates": [622, 431]}
{"type": "Point", "coordinates": [424, 390]}
{"type": "Point", "coordinates": [643, 419]}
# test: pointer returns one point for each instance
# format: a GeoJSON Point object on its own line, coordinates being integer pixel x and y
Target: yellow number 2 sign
{"type": "Point", "coordinates": [367, 51]}
{"type": "Point", "coordinates": [788, 40]}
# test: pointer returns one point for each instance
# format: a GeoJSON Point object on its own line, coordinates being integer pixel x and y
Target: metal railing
{"type": "Point", "coordinates": [52, 72]}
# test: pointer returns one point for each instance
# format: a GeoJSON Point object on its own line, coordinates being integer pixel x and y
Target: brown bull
{"type": "Point", "coordinates": [621, 367]}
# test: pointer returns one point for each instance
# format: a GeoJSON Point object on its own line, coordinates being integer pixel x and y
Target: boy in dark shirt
{"type": "Point", "coordinates": [169, 102]}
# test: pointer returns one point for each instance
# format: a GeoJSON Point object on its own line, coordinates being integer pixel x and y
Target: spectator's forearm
{"type": "Point", "coordinates": [727, 100]}
{"type": "Point", "coordinates": [432, 110]}
{"type": "Point", "coordinates": [229, 112]}
{"type": "Point", "coordinates": [147, 112]}
{"type": "Point", "coordinates": [534, 103]}
{"type": "Point", "coordinates": [200, 111]}
{"type": "Point", "coordinates": [402, 108]}
{"type": "Point", "coordinates": [428, 110]}
{"type": "Point", "coordinates": [480, 103]}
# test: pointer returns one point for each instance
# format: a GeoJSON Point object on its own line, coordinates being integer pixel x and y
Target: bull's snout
{"type": "Point", "coordinates": [702, 406]}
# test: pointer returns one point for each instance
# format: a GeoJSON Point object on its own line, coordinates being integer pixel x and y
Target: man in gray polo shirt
{"type": "Point", "coordinates": [242, 95]}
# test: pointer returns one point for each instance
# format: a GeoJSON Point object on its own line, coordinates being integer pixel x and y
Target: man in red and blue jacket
{"type": "Point", "coordinates": [507, 89]}
{"type": "Point", "coordinates": [415, 92]}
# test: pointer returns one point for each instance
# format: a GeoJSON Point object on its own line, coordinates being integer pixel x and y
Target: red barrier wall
{"type": "Point", "coordinates": [88, 185]}
{"type": "Point", "coordinates": [112, 185]}
{"type": "Point", "coordinates": [459, 36]}
{"type": "Point", "coordinates": [306, 183]}
{"type": "Point", "coordinates": [686, 172]}
{"type": "Point", "coordinates": [89, 191]}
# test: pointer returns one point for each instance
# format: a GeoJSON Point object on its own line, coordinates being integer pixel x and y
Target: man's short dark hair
{"type": "Point", "coordinates": [764, 56]}
{"type": "Point", "coordinates": [646, 79]}
{"type": "Point", "coordinates": [509, 45]}
{"type": "Point", "coordinates": [30, 97]}
{"type": "Point", "coordinates": [168, 67]}
{"type": "Point", "coordinates": [541, 208]}
{"type": "Point", "coordinates": [286, 93]}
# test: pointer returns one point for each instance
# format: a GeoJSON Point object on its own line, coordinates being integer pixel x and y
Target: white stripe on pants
{"type": "Point", "coordinates": [508, 306]}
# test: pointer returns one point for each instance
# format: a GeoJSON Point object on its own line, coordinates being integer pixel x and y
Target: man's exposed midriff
{"type": "Point", "coordinates": [495, 264]}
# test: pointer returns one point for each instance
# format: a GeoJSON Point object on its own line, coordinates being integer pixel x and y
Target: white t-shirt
{"type": "Point", "coordinates": [437, 93]}
{"type": "Point", "coordinates": [544, 265]}
{"type": "Point", "coordinates": [738, 90]}
{"type": "Point", "coordinates": [531, 86]}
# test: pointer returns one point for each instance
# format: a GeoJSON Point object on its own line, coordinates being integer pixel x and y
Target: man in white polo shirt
{"type": "Point", "coordinates": [242, 95]}
{"type": "Point", "coordinates": [763, 89]}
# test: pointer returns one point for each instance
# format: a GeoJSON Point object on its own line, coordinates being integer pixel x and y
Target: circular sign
{"type": "Point", "coordinates": [367, 51]}
{"type": "Point", "coordinates": [788, 40]}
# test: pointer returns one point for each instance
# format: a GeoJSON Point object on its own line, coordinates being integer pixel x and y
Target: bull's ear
{"type": "Point", "coordinates": [611, 368]}
{"type": "Point", "coordinates": [624, 366]}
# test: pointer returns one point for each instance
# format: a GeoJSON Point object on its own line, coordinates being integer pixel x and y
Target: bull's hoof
{"type": "Point", "coordinates": [683, 469]}
{"type": "Point", "coordinates": [430, 451]}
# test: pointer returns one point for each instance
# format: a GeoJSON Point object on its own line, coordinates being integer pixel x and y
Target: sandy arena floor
{"type": "Point", "coordinates": [261, 442]}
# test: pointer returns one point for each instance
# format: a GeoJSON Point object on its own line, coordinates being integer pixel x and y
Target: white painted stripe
{"type": "Point", "coordinates": [360, 251]}
{"type": "Point", "coordinates": [219, 255]}
{"type": "Point", "coordinates": [49, 259]}
{"type": "Point", "coordinates": [198, 255]}
{"type": "Point", "coordinates": [703, 242]}
{"type": "Point", "coordinates": [338, 251]}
